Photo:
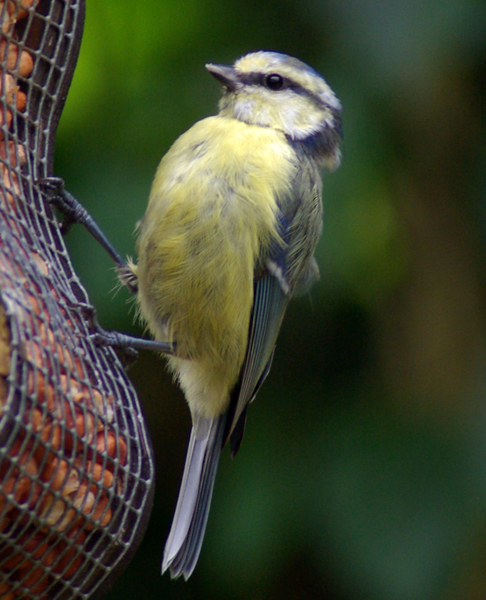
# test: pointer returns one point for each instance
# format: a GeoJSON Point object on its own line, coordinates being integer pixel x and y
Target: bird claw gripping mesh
{"type": "Point", "coordinates": [76, 469]}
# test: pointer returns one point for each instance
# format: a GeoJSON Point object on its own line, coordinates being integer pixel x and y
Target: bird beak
{"type": "Point", "coordinates": [225, 74]}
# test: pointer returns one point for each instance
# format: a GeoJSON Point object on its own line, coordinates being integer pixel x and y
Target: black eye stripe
{"type": "Point", "coordinates": [256, 78]}
{"type": "Point", "coordinates": [253, 78]}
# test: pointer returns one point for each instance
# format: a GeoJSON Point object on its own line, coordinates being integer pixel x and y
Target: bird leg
{"type": "Point", "coordinates": [74, 212]}
{"type": "Point", "coordinates": [101, 337]}
{"type": "Point", "coordinates": [121, 340]}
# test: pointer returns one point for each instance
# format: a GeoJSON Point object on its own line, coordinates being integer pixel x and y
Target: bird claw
{"type": "Point", "coordinates": [71, 209]}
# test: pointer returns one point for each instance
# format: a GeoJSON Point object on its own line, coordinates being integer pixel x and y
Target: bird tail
{"type": "Point", "coordinates": [189, 523]}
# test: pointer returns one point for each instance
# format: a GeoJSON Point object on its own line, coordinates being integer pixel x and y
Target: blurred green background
{"type": "Point", "coordinates": [362, 475]}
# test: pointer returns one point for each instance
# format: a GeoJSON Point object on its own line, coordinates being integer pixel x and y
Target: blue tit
{"type": "Point", "coordinates": [228, 237]}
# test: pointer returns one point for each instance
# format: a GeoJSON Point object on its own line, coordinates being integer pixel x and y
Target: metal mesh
{"type": "Point", "coordinates": [76, 469]}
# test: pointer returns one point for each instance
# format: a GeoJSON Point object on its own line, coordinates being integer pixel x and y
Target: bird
{"type": "Point", "coordinates": [227, 239]}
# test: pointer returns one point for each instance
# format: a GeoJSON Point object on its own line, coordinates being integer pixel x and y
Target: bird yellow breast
{"type": "Point", "coordinates": [212, 213]}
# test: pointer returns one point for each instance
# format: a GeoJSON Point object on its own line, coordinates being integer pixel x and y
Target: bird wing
{"type": "Point", "coordinates": [289, 269]}
{"type": "Point", "coordinates": [269, 307]}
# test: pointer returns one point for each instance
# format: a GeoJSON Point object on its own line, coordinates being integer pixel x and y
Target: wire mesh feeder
{"type": "Point", "coordinates": [76, 469]}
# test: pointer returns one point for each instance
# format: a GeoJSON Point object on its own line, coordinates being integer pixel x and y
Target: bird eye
{"type": "Point", "coordinates": [274, 81]}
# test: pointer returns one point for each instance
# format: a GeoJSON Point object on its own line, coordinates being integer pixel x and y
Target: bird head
{"type": "Point", "coordinates": [274, 90]}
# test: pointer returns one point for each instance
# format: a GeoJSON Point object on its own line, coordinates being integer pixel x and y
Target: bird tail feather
{"type": "Point", "coordinates": [189, 523]}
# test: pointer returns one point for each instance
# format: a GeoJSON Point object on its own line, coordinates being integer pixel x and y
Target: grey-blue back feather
{"type": "Point", "coordinates": [269, 305]}
{"type": "Point", "coordinates": [189, 524]}
{"type": "Point", "coordinates": [289, 268]}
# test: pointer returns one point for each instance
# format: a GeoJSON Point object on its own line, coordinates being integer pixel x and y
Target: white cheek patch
{"type": "Point", "coordinates": [328, 97]}
{"type": "Point", "coordinates": [244, 110]}
{"type": "Point", "coordinates": [299, 123]}
{"type": "Point", "coordinates": [254, 106]}
{"type": "Point", "coordinates": [285, 110]}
